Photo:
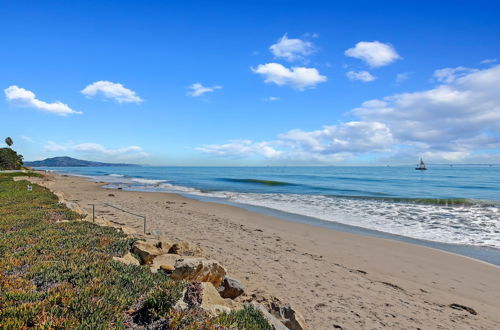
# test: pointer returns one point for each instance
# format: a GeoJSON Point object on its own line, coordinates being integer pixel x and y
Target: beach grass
{"type": "Point", "coordinates": [58, 272]}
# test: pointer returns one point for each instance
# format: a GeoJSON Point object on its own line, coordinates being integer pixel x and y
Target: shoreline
{"type": "Point", "coordinates": [464, 229]}
{"type": "Point", "coordinates": [488, 255]}
{"type": "Point", "coordinates": [331, 276]}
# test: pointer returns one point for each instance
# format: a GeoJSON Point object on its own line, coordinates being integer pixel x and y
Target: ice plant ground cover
{"type": "Point", "coordinates": [60, 274]}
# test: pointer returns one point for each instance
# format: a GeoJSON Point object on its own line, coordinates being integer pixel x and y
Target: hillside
{"type": "Point", "coordinates": [68, 162]}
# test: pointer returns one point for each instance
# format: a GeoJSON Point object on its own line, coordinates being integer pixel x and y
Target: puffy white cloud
{"type": "Point", "coordinates": [353, 136]}
{"type": "Point", "coordinates": [455, 121]}
{"type": "Point", "coordinates": [26, 138]}
{"type": "Point", "coordinates": [272, 98]}
{"type": "Point", "coordinates": [300, 78]}
{"type": "Point", "coordinates": [198, 89]}
{"type": "Point", "coordinates": [25, 98]}
{"type": "Point", "coordinates": [332, 143]}
{"type": "Point", "coordinates": [111, 90]}
{"type": "Point", "coordinates": [360, 75]}
{"type": "Point", "coordinates": [90, 148]}
{"type": "Point", "coordinates": [462, 115]}
{"type": "Point", "coordinates": [374, 53]}
{"type": "Point", "coordinates": [292, 49]}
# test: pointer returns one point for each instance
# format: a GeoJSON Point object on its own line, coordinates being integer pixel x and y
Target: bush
{"type": "Point", "coordinates": [10, 160]}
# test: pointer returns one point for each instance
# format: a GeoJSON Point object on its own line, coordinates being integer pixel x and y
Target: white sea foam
{"type": "Point", "coordinates": [116, 175]}
{"type": "Point", "coordinates": [147, 181]}
{"type": "Point", "coordinates": [464, 224]}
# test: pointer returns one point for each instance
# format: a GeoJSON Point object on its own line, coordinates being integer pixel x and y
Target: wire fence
{"type": "Point", "coordinates": [120, 209]}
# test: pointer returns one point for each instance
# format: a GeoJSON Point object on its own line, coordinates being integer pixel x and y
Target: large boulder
{"type": "Point", "coordinates": [230, 288]}
{"type": "Point", "coordinates": [146, 251]}
{"type": "Point", "coordinates": [199, 269]}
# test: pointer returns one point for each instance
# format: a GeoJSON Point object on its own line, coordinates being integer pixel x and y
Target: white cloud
{"type": "Point", "coordinates": [332, 143]}
{"type": "Point", "coordinates": [26, 138]}
{"type": "Point", "coordinates": [25, 98]}
{"type": "Point", "coordinates": [458, 117]}
{"type": "Point", "coordinates": [198, 89]}
{"type": "Point", "coordinates": [241, 148]}
{"type": "Point", "coordinates": [292, 49]}
{"type": "Point", "coordinates": [111, 90]}
{"type": "Point", "coordinates": [374, 53]}
{"type": "Point", "coordinates": [95, 149]}
{"type": "Point", "coordinates": [448, 75]}
{"type": "Point", "coordinates": [456, 121]}
{"type": "Point", "coordinates": [300, 78]}
{"type": "Point", "coordinates": [272, 98]}
{"type": "Point", "coordinates": [489, 61]}
{"type": "Point", "coordinates": [360, 75]}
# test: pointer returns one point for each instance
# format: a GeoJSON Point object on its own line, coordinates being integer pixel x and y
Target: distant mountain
{"type": "Point", "coordinates": [69, 162]}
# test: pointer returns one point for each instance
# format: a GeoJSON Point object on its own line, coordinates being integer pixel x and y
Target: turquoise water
{"type": "Point", "coordinates": [454, 205]}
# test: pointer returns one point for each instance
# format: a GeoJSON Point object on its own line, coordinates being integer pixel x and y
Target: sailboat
{"type": "Point", "coordinates": [421, 166]}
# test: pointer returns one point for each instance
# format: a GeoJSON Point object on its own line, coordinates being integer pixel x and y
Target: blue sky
{"type": "Point", "coordinates": [252, 83]}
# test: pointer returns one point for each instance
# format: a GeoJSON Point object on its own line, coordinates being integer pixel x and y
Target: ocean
{"type": "Point", "coordinates": [454, 207]}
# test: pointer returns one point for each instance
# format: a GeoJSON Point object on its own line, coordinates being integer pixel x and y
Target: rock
{"type": "Point", "coordinates": [230, 288]}
{"type": "Point", "coordinates": [165, 262]}
{"type": "Point", "coordinates": [204, 296]}
{"type": "Point", "coordinates": [273, 321]}
{"type": "Point", "coordinates": [128, 259]}
{"type": "Point", "coordinates": [287, 315]}
{"type": "Point", "coordinates": [282, 311]}
{"type": "Point", "coordinates": [199, 269]}
{"type": "Point", "coordinates": [167, 268]}
{"type": "Point", "coordinates": [184, 248]}
{"type": "Point", "coordinates": [212, 301]}
{"type": "Point", "coordinates": [146, 251]}
{"type": "Point", "coordinates": [164, 244]}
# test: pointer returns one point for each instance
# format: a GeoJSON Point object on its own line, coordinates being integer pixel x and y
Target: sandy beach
{"type": "Point", "coordinates": [335, 279]}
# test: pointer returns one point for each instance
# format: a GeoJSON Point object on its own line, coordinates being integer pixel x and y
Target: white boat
{"type": "Point", "coordinates": [421, 166]}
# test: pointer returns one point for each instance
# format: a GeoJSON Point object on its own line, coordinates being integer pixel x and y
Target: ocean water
{"type": "Point", "coordinates": [454, 205]}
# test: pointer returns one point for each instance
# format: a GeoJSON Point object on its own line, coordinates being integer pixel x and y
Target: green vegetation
{"type": "Point", "coordinates": [57, 272]}
{"type": "Point", "coordinates": [8, 141]}
{"type": "Point", "coordinates": [10, 160]}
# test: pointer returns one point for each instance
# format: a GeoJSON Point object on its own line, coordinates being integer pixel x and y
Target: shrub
{"type": "Point", "coordinates": [10, 160]}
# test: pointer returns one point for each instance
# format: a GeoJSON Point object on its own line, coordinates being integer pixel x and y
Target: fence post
{"type": "Point", "coordinates": [144, 224]}
{"type": "Point", "coordinates": [93, 213]}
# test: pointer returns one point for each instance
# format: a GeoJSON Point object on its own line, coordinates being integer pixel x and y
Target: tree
{"type": "Point", "coordinates": [10, 160]}
{"type": "Point", "coordinates": [9, 141]}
